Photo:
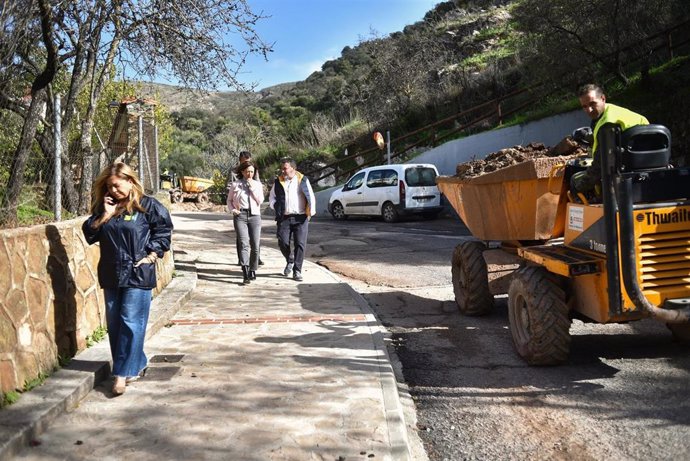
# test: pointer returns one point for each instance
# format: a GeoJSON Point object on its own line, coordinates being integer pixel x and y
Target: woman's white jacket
{"type": "Point", "coordinates": [238, 190]}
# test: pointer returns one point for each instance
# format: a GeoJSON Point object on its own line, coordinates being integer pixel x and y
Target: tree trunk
{"type": "Point", "coordinates": [87, 165]}
{"type": "Point", "coordinates": [8, 213]}
{"type": "Point", "coordinates": [70, 195]}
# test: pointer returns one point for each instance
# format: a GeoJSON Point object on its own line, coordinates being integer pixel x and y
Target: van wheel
{"type": "Point", "coordinates": [389, 213]}
{"type": "Point", "coordinates": [338, 212]}
{"type": "Point", "coordinates": [539, 320]}
{"type": "Point", "coordinates": [470, 279]}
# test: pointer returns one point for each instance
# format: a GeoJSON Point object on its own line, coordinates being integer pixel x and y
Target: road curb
{"type": "Point", "coordinates": [395, 415]}
{"type": "Point", "coordinates": [24, 421]}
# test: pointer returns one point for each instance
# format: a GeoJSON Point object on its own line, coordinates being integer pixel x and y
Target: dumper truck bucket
{"type": "Point", "coordinates": [517, 203]}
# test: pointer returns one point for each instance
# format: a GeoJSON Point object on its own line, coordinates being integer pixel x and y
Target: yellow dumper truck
{"type": "Point", "coordinates": [620, 260]}
{"type": "Point", "coordinates": [187, 187]}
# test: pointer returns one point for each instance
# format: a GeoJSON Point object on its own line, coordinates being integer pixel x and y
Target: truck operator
{"type": "Point", "coordinates": [593, 102]}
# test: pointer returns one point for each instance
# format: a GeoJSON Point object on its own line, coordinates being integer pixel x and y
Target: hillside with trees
{"type": "Point", "coordinates": [460, 55]}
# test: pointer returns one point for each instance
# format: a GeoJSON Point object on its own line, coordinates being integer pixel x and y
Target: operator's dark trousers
{"type": "Point", "coordinates": [293, 227]}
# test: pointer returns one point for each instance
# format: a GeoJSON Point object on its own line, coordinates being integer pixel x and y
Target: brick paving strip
{"type": "Point", "coordinates": [290, 319]}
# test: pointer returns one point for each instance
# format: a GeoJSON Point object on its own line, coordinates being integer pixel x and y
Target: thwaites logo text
{"type": "Point", "coordinates": [654, 218]}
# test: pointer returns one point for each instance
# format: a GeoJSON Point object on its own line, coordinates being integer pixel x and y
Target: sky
{"type": "Point", "coordinates": [307, 33]}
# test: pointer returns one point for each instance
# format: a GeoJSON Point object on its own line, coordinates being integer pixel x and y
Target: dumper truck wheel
{"type": "Point", "coordinates": [202, 198]}
{"type": "Point", "coordinates": [470, 279]}
{"type": "Point", "coordinates": [176, 196]}
{"type": "Point", "coordinates": [389, 213]}
{"type": "Point", "coordinates": [539, 320]}
{"type": "Point", "coordinates": [680, 332]}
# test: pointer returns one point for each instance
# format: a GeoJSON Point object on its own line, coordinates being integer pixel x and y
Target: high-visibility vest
{"type": "Point", "coordinates": [625, 118]}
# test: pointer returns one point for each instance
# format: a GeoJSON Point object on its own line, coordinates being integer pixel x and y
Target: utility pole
{"type": "Point", "coordinates": [388, 145]}
{"type": "Point", "coordinates": [57, 174]}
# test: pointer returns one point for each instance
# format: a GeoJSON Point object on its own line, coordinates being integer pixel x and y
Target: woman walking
{"type": "Point", "coordinates": [235, 176]}
{"type": "Point", "coordinates": [244, 202]}
{"type": "Point", "coordinates": [133, 230]}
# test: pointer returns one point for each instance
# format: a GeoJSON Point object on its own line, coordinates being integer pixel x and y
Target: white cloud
{"type": "Point", "coordinates": [310, 67]}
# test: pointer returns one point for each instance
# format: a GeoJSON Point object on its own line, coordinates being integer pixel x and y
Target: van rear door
{"type": "Point", "coordinates": [421, 191]}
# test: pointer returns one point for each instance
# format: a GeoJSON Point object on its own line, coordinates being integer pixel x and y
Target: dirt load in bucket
{"type": "Point", "coordinates": [567, 148]}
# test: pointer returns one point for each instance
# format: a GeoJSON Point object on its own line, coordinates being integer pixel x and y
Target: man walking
{"type": "Point", "coordinates": [293, 200]}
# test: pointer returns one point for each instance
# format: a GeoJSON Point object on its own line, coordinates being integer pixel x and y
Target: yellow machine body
{"type": "Point", "coordinates": [662, 255]}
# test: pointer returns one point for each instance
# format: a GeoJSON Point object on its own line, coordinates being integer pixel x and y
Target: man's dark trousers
{"type": "Point", "coordinates": [297, 226]}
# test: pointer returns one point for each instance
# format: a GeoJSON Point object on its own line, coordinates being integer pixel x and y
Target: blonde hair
{"type": "Point", "coordinates": [100, 188]}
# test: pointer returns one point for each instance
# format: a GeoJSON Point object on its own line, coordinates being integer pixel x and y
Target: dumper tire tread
{"type": "Point", "coordinates": [176, 196]}
{"type": "Point", "coordinates": [202, 198]}
{"type": "Point", "coordinates": [539, 317]}
{"type": "Point", "coordinates": [470, 279]}
{"type": "Point", "coordinates": [680, 332]}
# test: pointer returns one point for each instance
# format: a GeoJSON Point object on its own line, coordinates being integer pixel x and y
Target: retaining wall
{"type": "Point", "coordinates": [50, 300]}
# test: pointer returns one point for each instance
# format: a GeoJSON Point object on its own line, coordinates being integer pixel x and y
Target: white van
{"type": "Point", "coordinates": [389, 191]}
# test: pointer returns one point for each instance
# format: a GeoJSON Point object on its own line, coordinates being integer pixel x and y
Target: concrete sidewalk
{"type": "Point", "coordinates": [275, 370]}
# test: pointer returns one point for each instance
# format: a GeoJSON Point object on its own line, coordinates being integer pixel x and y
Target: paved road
{"type": "Point", "coordinates": [624, 393]}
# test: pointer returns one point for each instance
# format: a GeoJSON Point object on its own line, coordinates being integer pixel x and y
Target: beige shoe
{"type": "Point", "coordinates": [119, 385]}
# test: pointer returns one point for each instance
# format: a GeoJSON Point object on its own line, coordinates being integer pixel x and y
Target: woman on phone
{"type": "Point", "coordinates": [133, 230]}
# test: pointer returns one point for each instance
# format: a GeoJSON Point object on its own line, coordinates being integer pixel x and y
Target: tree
{"type": "Point", "coordinates": [185, 40]}
{"type": "Point", "coordinates": [42, 76]}
{"type": "Point", "coordinates": [572, 40]}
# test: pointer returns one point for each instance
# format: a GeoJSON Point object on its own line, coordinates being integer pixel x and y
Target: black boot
{"type": "Point", "coordinates": [245, 274]}
{"type": "Point", "coordinates": [252, 275]}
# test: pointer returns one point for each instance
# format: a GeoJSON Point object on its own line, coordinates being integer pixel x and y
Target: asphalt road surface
{"type": "Point", "coordinates": [624, 394]}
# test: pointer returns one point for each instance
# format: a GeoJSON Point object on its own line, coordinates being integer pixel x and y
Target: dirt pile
{"type": "Point", "coordinates": [567, 148]}
{"type": "Point", "coordinates": [193, 206]}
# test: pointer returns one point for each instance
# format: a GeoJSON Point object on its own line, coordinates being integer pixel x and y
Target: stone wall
{"type": "Point", "coordinates": [50, 300]}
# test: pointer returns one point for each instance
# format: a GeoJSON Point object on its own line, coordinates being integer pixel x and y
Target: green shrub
{"type": "Point", "coordinates": [8, 398]}
{"type": "Point", "coordinates": [97, 336]}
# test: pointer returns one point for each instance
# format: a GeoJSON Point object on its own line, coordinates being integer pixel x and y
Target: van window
{"type": "Point", "coordinates": [382, 178]}
{"type": "Point", "coordinates": [421, 176]}
{"type": "Point", "coordinates": [355, 182]}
